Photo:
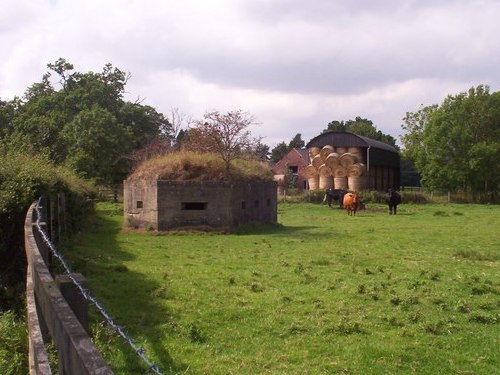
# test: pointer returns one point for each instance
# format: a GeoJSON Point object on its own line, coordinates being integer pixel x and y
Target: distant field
{"type": "Point", "coordinates": [321, 293]}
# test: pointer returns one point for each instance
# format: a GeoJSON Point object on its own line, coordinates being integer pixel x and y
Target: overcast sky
{"type": "Point", "coordinates": [294, 65]}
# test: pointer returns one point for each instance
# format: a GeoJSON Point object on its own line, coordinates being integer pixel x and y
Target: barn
{"type": "Point", "coordinates": [348, 161]}
{"type": "Point", "coordinates": [292, 164]}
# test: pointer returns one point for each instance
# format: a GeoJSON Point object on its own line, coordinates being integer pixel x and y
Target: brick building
{"type": "Point", "coordinates": [293, 162]}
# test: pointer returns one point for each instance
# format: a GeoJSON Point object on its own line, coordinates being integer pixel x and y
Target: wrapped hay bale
{"type": "Point", "coordinates": [341, 150]}
{"type": "Point", "coordinates": [347, 160]}
{"type": "Point", "coordinates": [356, 183]}
{"type": "Point", "coordinates": [356, 170]}
{"type": "Point", "coordinates": [316, 161]}
{"type": "Point", "coordinates": [325, 151]}
{"type": "Point", "coordinates": [313, 151]}
{"type": "Point", "coordinates": [310, 171]}
{"type": "Point", "coordinates": [313, 182]}
{"type": "Point", "coordinates": [340, 183]}
{"type": "Point", "coordinates": [332, 161]}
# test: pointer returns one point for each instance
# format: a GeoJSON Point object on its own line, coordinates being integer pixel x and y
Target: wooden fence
{"type": "Point", "coordinates": [52, 309]}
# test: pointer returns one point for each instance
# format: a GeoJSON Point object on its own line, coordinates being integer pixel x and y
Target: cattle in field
{"type": "Point", "coordinates": [351, 201]}
{"type": "Point", "coordinates": [392, 198]}
{"type": "Point", "coordinates": [336, 195]}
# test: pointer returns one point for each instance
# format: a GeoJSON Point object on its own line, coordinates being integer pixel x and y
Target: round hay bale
{"type": "Point", "coordinates": [332, 161]}
{"type": "Point", "coordinates": [340, 172]}
{"type": "Point", "coordinates": [316, 161]}
{"type": "Point", "coordinates": [325, 182]}
{"type": "Point", "coordinates": [310, 171]}
{"type": "Point", "coordinates": [341, 150]}
{"type": "Point", "coordinates": [313, 182]}
{"type": "Point", "coordinates": [356, 151]}
{"type": "Point", "coordinates": [356, 170]}
{"type": "Point", "coordinates": [340, 183]}
{"type": "Point", "coordinates": [313, 151]}
{"type": "Point", "coordinates": [325, 151]}
{"type": "Point", "coordinates": [324, 170]}
{"type": "Point", "coordinates": [356, 183]}
{"type": "Point", "coordinates": [347, 160]}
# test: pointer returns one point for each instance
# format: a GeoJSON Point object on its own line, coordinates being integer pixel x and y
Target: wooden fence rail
{"type": "Point", "coordinates": [51, 317]}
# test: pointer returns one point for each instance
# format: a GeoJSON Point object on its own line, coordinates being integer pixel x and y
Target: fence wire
{"type": "Point", "coordinates": [138, 351]}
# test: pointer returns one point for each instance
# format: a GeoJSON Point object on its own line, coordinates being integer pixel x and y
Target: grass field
{"type": "Point", "coordinates": [320, 293]}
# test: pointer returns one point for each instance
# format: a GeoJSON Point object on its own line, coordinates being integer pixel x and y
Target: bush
{"type": "Point", "coordinates": [23, 178]}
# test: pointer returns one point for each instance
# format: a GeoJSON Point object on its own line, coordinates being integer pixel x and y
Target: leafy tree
{"type": "Point", "coordinates": [182, 137]}
{"type": "Point", "coordinates": [457, 145]}
{"type": "Point", "coordinates": [224, 134]}
{"type": "Point", "coordinates": [259, 151]}
{"type": "Point", "coordinates": [279, 151]}
{"type": "Point", "coordinates": [296, 142]}
{"type": "Point", "coordinates": [7, 113]}
{"type": "Point", "coordinates": [335, 126]}
{"type": "Point", "coordinates": [56, 121]}
{"type": "Point", "coordinates": [92, 132]}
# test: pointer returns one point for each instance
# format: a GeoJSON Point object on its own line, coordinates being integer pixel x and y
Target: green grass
{"type": "Point", "coordinates": [320, 293]}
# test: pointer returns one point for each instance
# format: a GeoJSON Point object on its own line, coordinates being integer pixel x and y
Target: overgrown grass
{"type": "Point", "coordinates": [319, 293]}
{"type": "Point", "coordinates": [13, 344]}
{"type": "Point", "coordinates": [186, 165]}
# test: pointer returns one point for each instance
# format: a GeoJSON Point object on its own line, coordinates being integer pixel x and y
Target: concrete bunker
{"type": "Point", "coordinates": [163, 204]}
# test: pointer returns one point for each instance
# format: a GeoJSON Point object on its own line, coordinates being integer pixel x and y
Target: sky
{"type": "Point", "coordinates": [293, 65]}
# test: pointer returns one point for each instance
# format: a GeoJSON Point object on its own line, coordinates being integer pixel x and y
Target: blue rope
{"type": "Point", "coordinates": [139, 351]}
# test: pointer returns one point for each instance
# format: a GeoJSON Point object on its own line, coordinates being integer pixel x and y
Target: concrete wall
{"type": "Point", "coordinates": [140, 204]}
{"type": "Point", "coordinates": [50, 315]}
{"type": "Point", "coordinates": [188, 203]}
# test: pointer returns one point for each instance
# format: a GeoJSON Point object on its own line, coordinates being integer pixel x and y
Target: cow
{"type": "Point", "coordinates": [392, 198]}
{"type": "Point", "coordinates": [350, 203]}
{"type": "Point", "coordinates": [334, 195]}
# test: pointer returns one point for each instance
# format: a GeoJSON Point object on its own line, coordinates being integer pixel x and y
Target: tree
{"type": "Point", "coordinates": [335, 126]}
{"type": "Point", "coordinates": [178, 121]}
{"type": "Point", "coordinates": [51, 120]}
{"type": "Point", "coordinates": [279, 151]}
{"type": "Point", "coordinates": [97, 144]}
{"type": "Point", "coordinates": [259, 151]}
{"type": "Point", "coordinates": [456, 145]}
{"type": "Point", "coordinates": [224, 134]}
{"type": "Point", "coordinates": [296, 142]}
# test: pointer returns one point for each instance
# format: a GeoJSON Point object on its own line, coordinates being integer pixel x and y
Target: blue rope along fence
{"type": "Point", "coordinates": [139, 351]}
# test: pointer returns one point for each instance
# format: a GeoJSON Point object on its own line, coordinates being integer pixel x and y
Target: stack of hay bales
{"type": "Point", "coordinates": [339, 168]}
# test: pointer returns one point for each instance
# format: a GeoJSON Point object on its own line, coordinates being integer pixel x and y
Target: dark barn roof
{"type": "Point", "coordinates": [380, 153]}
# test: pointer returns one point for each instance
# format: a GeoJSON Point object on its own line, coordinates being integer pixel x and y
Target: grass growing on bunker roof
{"type": "Point", "coordinates": [191, 166]}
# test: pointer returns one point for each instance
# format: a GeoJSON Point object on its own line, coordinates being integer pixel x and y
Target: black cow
{"type": "Point", "coordinates": [392, 198]}
{"type": "Point", "coordinates": [336, 195]}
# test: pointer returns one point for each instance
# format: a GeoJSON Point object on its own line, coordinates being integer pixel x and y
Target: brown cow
{"type": "Point", "coordinates": [350, 203]}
